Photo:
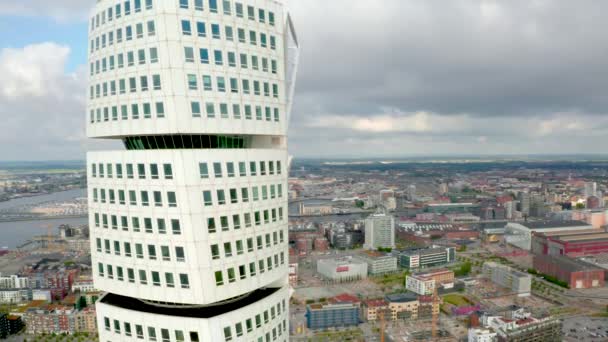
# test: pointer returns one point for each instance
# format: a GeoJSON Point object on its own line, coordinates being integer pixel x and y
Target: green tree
{"type": "Point", "coordinates": [580, 206]}
{"type": "Point", "coordinates": [82, 303]}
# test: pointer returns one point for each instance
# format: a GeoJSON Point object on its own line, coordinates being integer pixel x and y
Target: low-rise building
{"type": "Point", "coordinates": [14, 282]}
{"type": "Point", "coordinates": [577, 274]}
{"type": "Point", "coordinates": [378, 263]}
{"type": "Point", "coordinates": [373, 308]}
{"type": "Point", "coordinates": [481, 335]}
{"type": "Point", "coordinates": [420, 285]}
{"type": "Point", "coordinates": [505, 276]}
{"type": "Point", "coordinates": [571, 243]}
{"type": "Point", "coordinates": [323, 316]}
{"type": "Point", "coordinates": [84, 285]}
{"type": "Point", "coordinates": [425, 283]}
{"type": "Point", "coordinates": [519, 234]}
{"type": "Point", "coordinates": [429, 257]}
{"type": "Point", "coordinates": [293, 274]}
{"type": "Point", "coordinates": [14, 296]}
{"type": "Point", "coordinates": [403, 306]}
{"type": "Point", "coordinates": [519, 325]}
{"type": "Point", "coordinates": [342, 269]}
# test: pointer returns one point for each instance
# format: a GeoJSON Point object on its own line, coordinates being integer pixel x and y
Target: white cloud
{"type": "Point", "coordinates": [393, 121]}
{"type": "Point", "coordinates": [41, 105]}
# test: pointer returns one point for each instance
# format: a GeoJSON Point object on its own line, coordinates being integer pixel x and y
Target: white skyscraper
{"type": "Point", "coordinates": [379, 231]}
{"type": "Point", "coordinates": [189, 219]}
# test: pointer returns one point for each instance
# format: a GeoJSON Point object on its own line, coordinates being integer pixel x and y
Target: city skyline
{"type": "Point", "coordinates": [485, 79]}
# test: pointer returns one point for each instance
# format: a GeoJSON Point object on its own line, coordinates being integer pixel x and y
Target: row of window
{"type": "Point", "coordinates": [145, 110]}
{"type": "Point", "coordinates": [239, 10]}
{"type": "Point", "coordinates": [265, 317]}
{"type": "Point", "coordinates": [246, 86]}
{"type": "Point", "coordinates": [122, 60]}
{"type": "Point", "coordinates": [229, 275]}
{"type": "Point", "coordinates": [220, 170]}
{"type": "Point", "coordinates": [121, 86]}
{"type": "Point", "coordinates": [211, 111]}
{"type": "Point", "coordinates": [135, 224]}
{"type": "Point", "coordinates": [154, 277]}
{"type": "Point", "coordinates": [221, 197]}
{"type": "Point", "coordinates": [125, 35]}
{"type": "Point", "coordinates": [117, 11]}
{"type": "Point", "coordinates": [143, 56]}
{"type": "Point", "coordinates": [223, 223]}
{"type": "Point", "coordinates": [222, 277]}
{"type": "Point", "coordinates": [239, 245]}
{"type": "Point", "coordinates": [240, 328]}
{"type": "Point", "coordinates": [125, 248]}
{"type": "Point", "coordinates": [99, 196]}
{"type": "Point", "coordinates": [264, 40]}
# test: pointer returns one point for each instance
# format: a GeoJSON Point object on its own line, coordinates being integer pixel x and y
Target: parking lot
{"type": "Point", "coordinates": [586, 329]}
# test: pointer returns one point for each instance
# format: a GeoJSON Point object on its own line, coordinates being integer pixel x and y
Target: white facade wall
{"type": "Point", "coordinates": [420, 286]}
{"type": "Point", "coordinates": [14, 282]}
{"type": "Point", "coordinates": [342, 271]}
{"type": "Point", "coordinates": [481, 335]}
{"type": "Point", "coordinates": [167, 232]}
{"type": "Point", "coordinates": [379, 231]}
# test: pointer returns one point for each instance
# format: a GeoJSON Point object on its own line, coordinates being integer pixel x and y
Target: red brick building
{"type": "Point", "coordinates": [578, 274]}
{"type": "Point", "coordinates": [571, 243]}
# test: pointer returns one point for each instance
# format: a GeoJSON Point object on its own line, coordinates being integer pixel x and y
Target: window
{"type": "Point", "coordinates": [192, 82]}
{"type": "Point", "coordinates": [168, 171]}
{"type": "Point", "coordinates": [241, 34]}
{"type": "Point", "coordinates": [204, 53]}
{"type": "Point", "coordinates": [198, 5]}
{"type": "Point", "coordinates": [217, 55]}
{"type": "Point", "coordinates": [227, 249]}
{"type": "Point", "coordinates": [185, 283]}
{"type": "Point", "coordinates": [236, 111]}
{"type": "Point", "coordinates": [153, 55]}
{"type": "Point", "coordinates": [170, 283]}
{"type": "Point", "coordinates": [201, 29]}
{"type": "Point", "coordinates": [156, 82]}
{"type": "Point", "coordinates": [186, 28]}
{"type": "Point", "coordinates": [207, 84]}
{"type": "Point", "coordinates": [148, 4]}
{"type": "Point", "coordinates": [219, 279]}
{"type": "Point", "coordinates": [224, 110]}
{"type": "Point", "coordinates": [139, 29]}
{"type": "Point", "coordinates": [262, 15]}
{"type": "Point", "coordinates": [196, 109]}
{"type": "Point", "coordinates": [215, 31]}
{"type": "Point", "coordinates": [210, 108]}
{"type": "Point", "coordinates": [204, 170]}
{"type": "Point", "coordinates": [160, 111]}
{"type": "Point", "coordinates": [211, 227]}
{"type": "Point", "coordinates": [215, 252]}
{"type": "Point", "coordinates": [151, 334]}
{"type": "Point", "coordinates": [158, 201]}
{"type": "Point", "coordinates": [239, 9]}
{"type": "Point", "coordinates": [229, 33]}
{"type": "Point", "coordinates": [251, 12]}
{"type": "Point", "coordinates": [234, 85]}
{"type": "Point", "coordinates": [221, 84]}
{"type": "Point", "coordinates": [245, 195]}
{"type": "Point", "coordinates": [175, 227]}
{"type": "Point", "coordinates": [137, 5]}
{"type": "Point", "coordinates": [171, 198]}
{"type": "Point", "coordinates": [179, 254]}
{"type": "Point", "coordinates": [232, 59]}
{"type": "Point", "coordinates": [179, 336]}
{"type": "Point", "coordinates": [183, 3]}
{"type": "Point", "coordinates": [221, 197]}
{"type": "Point", "coordinates": [271, 18]}
{"type": "Point", "coordinates": [151, 28]}
{"type": "Point", "coordinates": [207, 198]}
{"type": "Point", "coordinates": [224, 223]}
{"type": "Point", "coordinates": [189, 54]}
{"type": "Point", "coordinates": [233, 196]}
{"type": "Point", "coordinates": [213, 6]}
{"type": "Point", "coordinates": [217, 169]}
{"type": "Point", "coordinates": [227, 334]}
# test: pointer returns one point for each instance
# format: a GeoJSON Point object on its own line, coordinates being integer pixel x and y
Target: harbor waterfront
{"type": "Point", "coordinates": [16, 233]}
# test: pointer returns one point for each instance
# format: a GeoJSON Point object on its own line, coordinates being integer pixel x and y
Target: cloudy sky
{"type": "Point", "coordinates": [377, 78]}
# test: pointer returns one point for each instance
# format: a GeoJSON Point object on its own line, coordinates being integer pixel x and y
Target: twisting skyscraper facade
{"type": "Point", "coordinates": [189, 218]}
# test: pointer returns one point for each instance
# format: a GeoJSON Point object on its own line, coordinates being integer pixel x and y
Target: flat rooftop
{"type": "Point", "coordinates": [600, 237]}
{"type": "Point", "coordinates": [401, 297]}
{"type": "Point", "coordinates": [570, 232]}
{"type": "Point", "coordinates": [197, 312]}
{"type": "Point", "coordinates": [553, 224]}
